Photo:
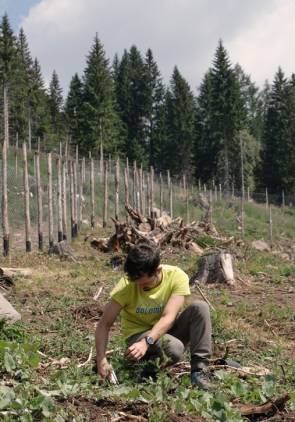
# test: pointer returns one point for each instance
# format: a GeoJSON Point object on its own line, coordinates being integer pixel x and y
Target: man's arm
{"type": "Point", "coordinates": [110, 313]}
{"type": "Point", "coordinates": [137, 350]}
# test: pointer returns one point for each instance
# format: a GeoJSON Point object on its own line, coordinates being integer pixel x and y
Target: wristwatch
{"type": "Point", "coordinates": [149, 340]}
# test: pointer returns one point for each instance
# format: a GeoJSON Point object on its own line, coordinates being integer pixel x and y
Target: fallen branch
{"type": "Point", "coordinates": [80, 365]}
{"type": "Point", "coordinates": [270, 407]}
{"type": "Point", "coordinates": [204, 297]}
{"type": "Point", "coordinates": [270, 328]}
{"type": "Point", "coordinates": [132, 417]}
{"type": "Point", "coordinates": [98, 293]}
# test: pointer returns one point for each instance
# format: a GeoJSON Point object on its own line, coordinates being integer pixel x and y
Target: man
{"type": "Point", "coordinates": [150, 297]}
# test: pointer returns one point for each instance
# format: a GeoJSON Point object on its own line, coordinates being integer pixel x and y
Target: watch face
{"type": "Point", "coordinates": [150, 340]}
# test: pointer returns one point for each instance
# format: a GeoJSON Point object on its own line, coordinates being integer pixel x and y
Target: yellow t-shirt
{"type": "Point", "coordinates": [142, 309]}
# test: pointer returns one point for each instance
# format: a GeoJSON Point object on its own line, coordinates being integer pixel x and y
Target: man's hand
{"type": "Point", "coordinates": [137, 350]}
{"type": "Point", "coordinates": [104, 369]}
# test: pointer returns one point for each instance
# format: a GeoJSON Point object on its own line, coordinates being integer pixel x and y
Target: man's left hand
{"type": "Point", "coordinates": [137, 350]}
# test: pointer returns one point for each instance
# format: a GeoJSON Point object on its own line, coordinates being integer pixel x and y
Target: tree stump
{"type": "Point", "coordinates": [214, 268]}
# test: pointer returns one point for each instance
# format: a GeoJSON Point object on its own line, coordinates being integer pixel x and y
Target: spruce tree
{"type": "Point", "coordinates": [73, 109]}
{"type": "Point", "coordinates": [21, 102]}
{"type": "Point", "coordinates": [39, 103]}
{"type": "Point", "coordinates": [154, 109]}
{"type": "Point", "coordinates": [180, 117]}
{"type": "Point", "coordinates": [278, 152]}
{"type": "Point", "coordinates": [130, 80]}
{"type": "Point", "coordinates": [8, 54]}
{"type": "Point", "coordinates": [55, 106]}
{"type": "Point", "coordinates": [221, 114]}
{"type": "Point", "coordinates": [100, 120]}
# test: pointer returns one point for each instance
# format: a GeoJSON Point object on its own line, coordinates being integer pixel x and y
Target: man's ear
{"type": "Point", "coordinates": [159, 269]}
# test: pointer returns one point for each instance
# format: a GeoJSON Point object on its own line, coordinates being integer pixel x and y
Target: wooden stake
{"type": "Point", "coordinates": [270, 227]}
{"type": "Point", "coordinates": [134, 185]}
{"type": "Point", "coordinates": [161, 194]}
{"type": "Point", "coordinates": [50, 201]}
{"type": "Point", "coordinates": [92, 217]}
{"type": "Point", "coordinates": [220, 192]}
{"type": "Point", "coordinates": [187, 203]}
{"type": "Point", "coordinates": [59, 206]}
{"type": "Point", "coordinates": [39, 202]}
{"type": "Point", "coordinates": [266, 199]}
{"type": "Point", "coordinates": [210, 207]}
{"type": "Point", "coordinates": [75, 198]}
{"type": "Point", "coordinates": [30, 132]}
{"type": "Point", "coordinates": [101, 162]}
{"type": "Point", "coordinates": [5, 222]}
{"type": "Point", "coordinates": [105, 199]}
{"type": "Point", "coordinates": [248, 194]}
{"type": "Point", "coordinates": [152, 191]}
{"type": "Point", "coordinates": [148, 194]}
{"type": "Point", "coordinates": [283, 199]}
{"type": "Point", "coordinates": [141, 196]}
{"type": "Point", "coordinates": [126, 186]}
{"type": "Point", "coordinates": [117, 177]}
{"type": "Point", "coordinates": [6, 115]}
{"type": "Point", "coordinates": [27, 201]}
{"type": "Point", "coordinates": [64, 201]}
{"type": "Point", "coordinates": [83, 171]}
{"type": "Point", "coordinates": [80, 214]}
{"type": "Point", "coordinates": [170, 193]}
{"type": "Point", "coordinates": [16, 156]}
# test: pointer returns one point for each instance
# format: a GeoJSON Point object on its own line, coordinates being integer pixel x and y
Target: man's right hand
{"type": "Point", "coordinates": [104, 368]}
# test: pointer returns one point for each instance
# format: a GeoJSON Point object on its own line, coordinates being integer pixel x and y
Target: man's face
{"type": "Point", "coordinates": [147, 282]}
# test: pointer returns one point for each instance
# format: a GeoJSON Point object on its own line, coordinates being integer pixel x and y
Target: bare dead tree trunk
{"type": "Point", "coordinates": [243, 188]}
{"type": "Point", "coordinates": [170, 193]}
{"type": "Point", "coordinates": [187, 203]}
{"type": "Point", "coordinates": [270, 227]}
{"type": "Point", "coordinates": [105, 201]}
{"type": "Point", "coordinates": [148, 195]}
{"type": "Point", "coordinates": [141, 197]}
{"type": "Point", "coordinates": [39, 202]}
{"type": "Point", "coordinates": [75, 198]}
{"type": "Point", "coordinates": [161, 194]}
{"type": "Point", "coordinates": [117, 177]}
{"type": "Point", "coordinates": [134, 184]}
{"type": "Point", "coordinates": [92, 217]}
{"type": "Point", "coordinates": [6, 115]}
{"type": "Point", "coordinates": [30, 131]}
{"type": "Point", "coordinates": [5, 222]}
{"type": "Point", "coordinates": [16, 156]}
{"type": "Point", "coordinates": [80, 216]}
{"type": "Point", "coordinates": [152, 190]}
{"type": "Point", "coordinates": [72, 199]}
{"type": "Point", "coordinates": [64, 201]}
{"type": "Point", "coordinates": [50, 201]}
{"type": "Point", "coordinates": [101, 163]}
{"type": "Point", "coordinates": [59, 202]}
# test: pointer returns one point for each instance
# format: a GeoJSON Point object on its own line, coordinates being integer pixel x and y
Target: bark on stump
{"type": "Point", "coordinates": [214, 268]}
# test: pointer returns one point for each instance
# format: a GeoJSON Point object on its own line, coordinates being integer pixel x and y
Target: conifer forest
{"type": "Point", "coordinates": [123, 103]}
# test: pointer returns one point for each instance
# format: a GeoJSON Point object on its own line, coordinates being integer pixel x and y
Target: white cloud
{"type": "Point", "coordinates": [179, 32]}
{"type": "Point", "coordinates": [267, 44]}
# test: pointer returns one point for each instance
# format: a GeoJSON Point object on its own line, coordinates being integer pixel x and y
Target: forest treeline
{"type": "Point", "coordinates": [126, 106]}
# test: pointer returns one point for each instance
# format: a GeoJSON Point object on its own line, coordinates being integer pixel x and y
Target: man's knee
{"type": "Point", "coordinates": [199, 307]}
{"type": "Point", "coordinates": [172, 347]}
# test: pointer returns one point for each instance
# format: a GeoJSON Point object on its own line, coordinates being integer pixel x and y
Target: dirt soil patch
{"type": "Point", "coordinates": [107, 410]}
{"type": "Point", "coordinates": [88, 311]}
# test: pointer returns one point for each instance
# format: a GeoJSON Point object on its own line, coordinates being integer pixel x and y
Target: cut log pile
{"type": "Point", "coordinates": [163, 231]}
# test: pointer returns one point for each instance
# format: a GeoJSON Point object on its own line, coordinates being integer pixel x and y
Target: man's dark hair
{"type": "Point", "coordinates": [143, 258]}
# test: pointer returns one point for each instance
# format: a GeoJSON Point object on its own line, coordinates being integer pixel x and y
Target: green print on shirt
{"type": "Point", "coordinates": [147, 310]}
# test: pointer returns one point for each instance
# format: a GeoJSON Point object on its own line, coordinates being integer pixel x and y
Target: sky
{"type": "Point", "coordinates": [258, 34]}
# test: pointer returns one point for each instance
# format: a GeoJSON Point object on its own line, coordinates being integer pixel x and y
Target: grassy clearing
{"type": "Point", "coordinates": [39, 358]}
